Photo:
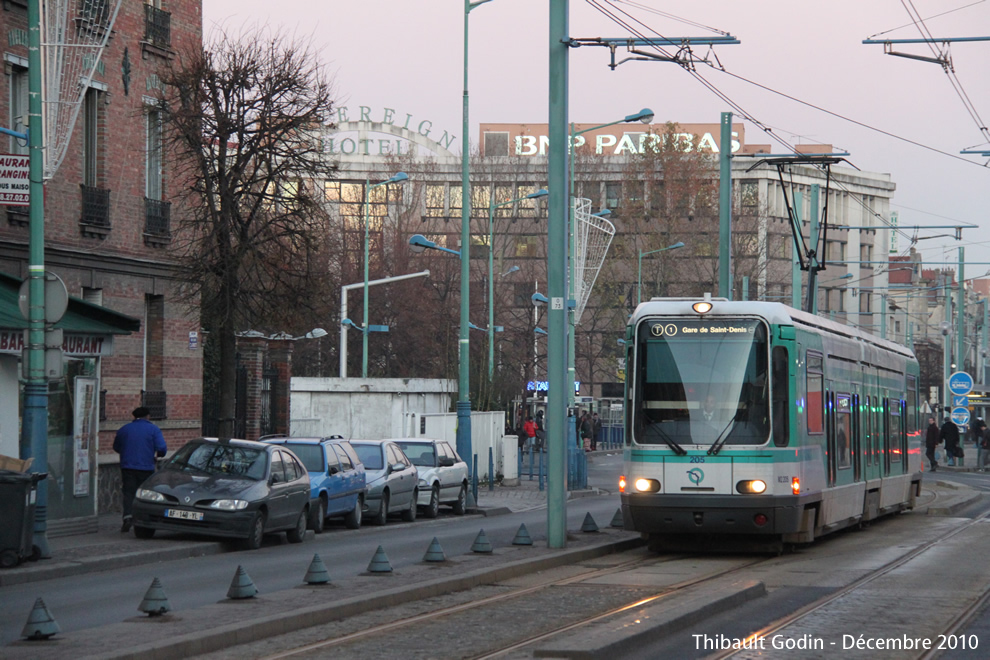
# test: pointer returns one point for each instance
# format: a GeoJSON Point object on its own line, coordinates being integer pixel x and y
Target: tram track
{"type": "Point", "coordinates": [514, 594]}
{"type": "Point", "coordinates": [780, 625]}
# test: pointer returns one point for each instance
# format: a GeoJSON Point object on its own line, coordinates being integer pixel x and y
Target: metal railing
{"type": "Point", "coordinates": [156, 402]}
{"type": "Point", "coordinates": [157, 27]}
{"type": "Point", "coordinates": [95, 206]}
{"type": "Point", "coordinates": [157, 217]}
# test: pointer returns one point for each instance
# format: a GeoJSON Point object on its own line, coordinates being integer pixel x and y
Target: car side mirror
{"type": "Point", "coordinates": [446, 461]}
{"type": "Point", "coordinates": [398, 467]}
{"type": "Point", "coordinates": [333, 470]}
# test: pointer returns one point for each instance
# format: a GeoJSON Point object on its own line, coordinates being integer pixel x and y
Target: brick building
{"type": "Point", "coordinates": [109, 228]}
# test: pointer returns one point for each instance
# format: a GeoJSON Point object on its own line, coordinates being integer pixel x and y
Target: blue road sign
{"type": "Point", "coordinates": [960, 401]}
{"type": "Point", "coordinates": [960, 416]}
{"type": "Point", "coordinates": [960, 383]}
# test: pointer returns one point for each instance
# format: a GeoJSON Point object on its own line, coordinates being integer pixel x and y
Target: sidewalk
{"type": "Point", "coordinates": [108, 548]}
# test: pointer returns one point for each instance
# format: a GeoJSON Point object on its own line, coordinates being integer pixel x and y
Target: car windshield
{"type": "Point", "coordinates": [370, 455]}
{"type": "Point", "coordinates": [210, 458]}
{"type": "Point", "coordinates": [419, 453]}
{"type": "Point", "coordinates": [310, 455]}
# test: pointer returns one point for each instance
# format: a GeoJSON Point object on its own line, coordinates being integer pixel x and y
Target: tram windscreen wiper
{"type": "Point", "coordinates": [655, 428]}
{"type": "Point", "coordinates": [722, 437]}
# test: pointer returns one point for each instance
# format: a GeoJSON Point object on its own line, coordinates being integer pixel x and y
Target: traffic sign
{"type": "Point", "coordinates": [960, 401]}
{"type": "Point", "coordinates": [960, 383]}
{"type": "Point", "coordinates": [960, 416]}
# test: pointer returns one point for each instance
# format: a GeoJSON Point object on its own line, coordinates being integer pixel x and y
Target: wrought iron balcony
{"type": "Point", "coordinates": [95, 206]}
{"type": "Point", "coordinates": [157, 27]}
{"type": "Point", "coordinates": [155, 401]}
{"type": "Point", "coordinates": [157, 218]}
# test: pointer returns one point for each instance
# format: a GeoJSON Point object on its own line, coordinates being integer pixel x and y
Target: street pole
{"type": "Point", "coordinates": [364, 335]}
{"type": "Point", "coordinates": [725, 209]}
{"type": "Point", "coordinates": [34, 424]}
{"type": "Point", "coordinates": [814, 259]}
{"type": "Point", "coordinates": [961, 313]}
{"type": "Point", "coordinates": [946, 346]}
{"type": "Point", "coordinates": [557, 225]}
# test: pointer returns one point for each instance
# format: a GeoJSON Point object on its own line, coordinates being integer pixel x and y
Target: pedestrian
{"type": "Point", "coordinates": [529, 428]}
{"type": "Point", "coordinates": [931, 441]}
{"type": "Point", "coordinates": [596, 430]}
{"type": "Point", "coordinates": [950, 436]}
{"type": "Point", "coordinates": [586, 431]}
{"type": "Point", "coordinates": [541, 431]}
{"type": "Point", "coordinates": [983, 445]}
{"type": "Point", "coordinates": [138, 443]}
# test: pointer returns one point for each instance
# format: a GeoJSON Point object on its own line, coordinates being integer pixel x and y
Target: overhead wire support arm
{"type": "Point", "coordinates": [684, 55]}
{"type": "Point", "coordinates": [943, 59]}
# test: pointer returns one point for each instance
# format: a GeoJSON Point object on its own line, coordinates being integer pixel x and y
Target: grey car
{"type": "Point", "coordinates": [392, 480]}
{"type": "Point", "coordinates": [443, 475]}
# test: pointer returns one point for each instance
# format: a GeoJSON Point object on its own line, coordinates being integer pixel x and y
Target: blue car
{"type": "Point", "coordinates": [336, 476]}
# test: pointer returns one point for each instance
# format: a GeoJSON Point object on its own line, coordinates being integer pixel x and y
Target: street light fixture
{"type": "Point", "coordinates": [639, 269]}
{"type": "Point", "coordinates": [419, 244]}
{"type": "Point", "coordinates": [491, 267]}
{"type": "Point", "coordinates": [368, 186]}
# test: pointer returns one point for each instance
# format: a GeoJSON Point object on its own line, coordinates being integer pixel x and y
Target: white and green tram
{"type": "Point", "coordinates": [754, 419]}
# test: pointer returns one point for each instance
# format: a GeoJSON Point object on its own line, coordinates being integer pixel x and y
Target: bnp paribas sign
{"type": "Point", "coordinates": [366, 131]}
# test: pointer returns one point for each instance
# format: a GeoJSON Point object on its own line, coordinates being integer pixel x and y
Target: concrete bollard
{"type": "Point", "coordinates": [481, 544]}
{"type": "Point", "coordinates": [155, 602]}
{"type": "Point", "coordinates": [589, 524]}
{"type": "Point", "coordinates": [241, 586]}
{"type": "Point", "coordinates": [435, 553]}
{"type": "Point", "coordinates": [40, 624]}
{"type": "Point", "coordinates": [317, 572]}
{"type": "Point", "coordinates": [379, 562]}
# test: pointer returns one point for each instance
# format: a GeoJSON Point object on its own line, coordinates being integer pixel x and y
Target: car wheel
{"type": "Point", "coordinates": [257, 533]}
{"type": "Point", "coordinates": [409, 515]}
{"type": "Point", "coordinates": [382, 516]}
{"type": "Point", "coordinates": [353, 519]}
{"type": "Point", "coordinates": [460, 506]}
{"type": "Point", "coordinates": [432, 509]}
{"type": "Point", "coordinates": [144, 532]}
{"type": "Point", "coordinates": [318, 519]}
{"type": "Point", "coordinates": [298, 533]}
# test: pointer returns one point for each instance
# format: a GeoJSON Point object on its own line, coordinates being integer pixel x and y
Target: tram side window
{"type": "Point", "coordinates": [894, 429]}
{"type": "Point", "coordinates": [815, 409]}
{"type": "Point", "coordinates": [912, 407]}
{"type": "Point", "coordinates": [781, 397]}
{"type": "Point", "coordinates": [843, 430]}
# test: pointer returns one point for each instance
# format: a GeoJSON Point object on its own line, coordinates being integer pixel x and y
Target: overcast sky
{"type": "Point", "coordinates": [408, 55]}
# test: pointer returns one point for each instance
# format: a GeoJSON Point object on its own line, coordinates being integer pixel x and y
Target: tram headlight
{"type": "Point", "coordinates": [752, 486]}
{"type": "Point", "coordinates": [646, 485]}
{"type": "Point", "coordinates": [702, 307]}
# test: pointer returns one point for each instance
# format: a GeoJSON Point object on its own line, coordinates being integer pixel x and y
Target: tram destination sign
{"type": "Point", "coordinates": [701, 329]}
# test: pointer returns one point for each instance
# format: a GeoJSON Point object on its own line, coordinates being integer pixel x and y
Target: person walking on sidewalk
{"type": "Point", "coordinates": [139, 443]}
{"type": "Point", "coordinates": [950, 435]}
{"type": "Point", "coordinates": [931, 441]}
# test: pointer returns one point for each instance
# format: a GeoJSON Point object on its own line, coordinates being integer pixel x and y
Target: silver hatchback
{"type": "Point", "coordinates": [443, 475]}
{"type": "Point", "coordinates": [392, 480]}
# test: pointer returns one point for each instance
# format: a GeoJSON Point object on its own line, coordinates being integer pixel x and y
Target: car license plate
{"type": "Point", "coordinates": [183, 515]}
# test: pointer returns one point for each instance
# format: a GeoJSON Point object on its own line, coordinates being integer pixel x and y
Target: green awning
{"type": "Point", "coordinates": [80, 317]}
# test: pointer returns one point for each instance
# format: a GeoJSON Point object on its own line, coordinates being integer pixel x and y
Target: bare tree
{"type": "Point", "coordinates": [243, 118]}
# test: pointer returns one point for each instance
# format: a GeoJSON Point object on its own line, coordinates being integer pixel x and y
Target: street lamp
{"type": "Point", "coordinates": [639, 269]}
{"type": "Point", "coordinates": [419, 243]}
{"type": "Point", "coordinates": [491, 267]}
{"type": "Point", "coordinates": [398, 178]}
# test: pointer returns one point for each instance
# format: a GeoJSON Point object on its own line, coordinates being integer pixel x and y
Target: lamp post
{"type": "Point", "coordinates": [491, 268]}
{"type": "Point", "coordinates": [639, 268]}
{"type": "Point", "coordinates": [646, 116]}
{"type": "Point", "coordinates": [399, 177]}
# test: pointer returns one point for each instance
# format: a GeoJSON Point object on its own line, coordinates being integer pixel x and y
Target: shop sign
{"type": "Point", "coordinates": [15, 186]}
{"type": "Point", "coordinates": [78, 345]}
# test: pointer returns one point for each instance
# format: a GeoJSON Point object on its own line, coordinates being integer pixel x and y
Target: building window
{"type": "Point", "coordinates": [866, 253]}
{"type": "Point", "coordinates": [865, 303]}
{"type": "Point", "coordinates": [153, 392]}
{"type": "Point", "coordinates": [157, 24]}
{"type": "Point", "coordinates": [436, 198]}
{"type": "Point", "coordinates": [613, 191]}
{"type": "Point", "coordinates": [18, 108]}
{"type": "Point", "coordinates": [153, 154]}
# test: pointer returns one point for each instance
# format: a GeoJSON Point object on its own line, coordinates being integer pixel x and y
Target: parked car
{"type": "Point", "coordinates": [443, 475]}
{"type": "Point", "coordinates": [337, 480]}
{"type": "Point", "coordinates": [392, 480]}
{"type": "Point", "coordinates": [235, 489]}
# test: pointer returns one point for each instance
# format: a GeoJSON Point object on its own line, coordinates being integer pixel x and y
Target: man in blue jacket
{"type": "Point", "coordinates": [139, 443]}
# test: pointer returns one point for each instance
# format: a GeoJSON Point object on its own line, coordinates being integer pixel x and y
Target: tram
{"type": "Point", "coordinates": [759, 421]}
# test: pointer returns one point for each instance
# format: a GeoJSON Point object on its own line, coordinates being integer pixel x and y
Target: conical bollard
{"type": "Point", "coordinates": [40, 624]}
{"type": "Point", "coordinates": [379, 563]}
{"type": "Point", "coordinates": [481, 544]}
{"type": "Point", "coordinates": [317, 572]}
{"type": "Point", "coordinates": [589, 524]}
{"type": "Point", "coordinates": [617, 519]}
{"type": "Point", "coordinates": [522, 536]}
{"type": "Point", "coordinates": [241, 586]}
{"type": "Point", "coordinates": [155, 603]}
{"type": "Point", "coordinates": [434, 552]}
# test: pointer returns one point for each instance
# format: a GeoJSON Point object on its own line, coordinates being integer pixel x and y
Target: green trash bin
{"type": "Point", "coordinates": [18, 496]}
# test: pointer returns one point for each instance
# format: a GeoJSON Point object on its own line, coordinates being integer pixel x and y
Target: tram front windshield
{"type": "Point", "coordinates": [702, 382]}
